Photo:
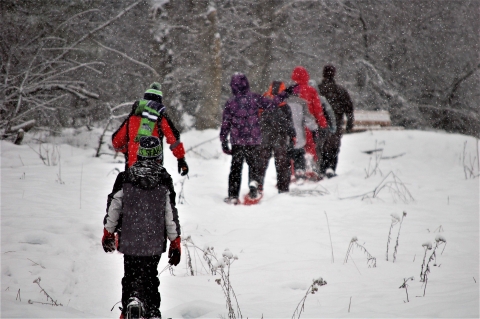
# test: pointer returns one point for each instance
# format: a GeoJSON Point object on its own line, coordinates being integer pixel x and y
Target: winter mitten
{"type": "Point", "coordinates": [182, 166]}
{"type": "Point", "coordinates": [108, 241]}
{"type": "Point", "coordinates": [225, 148]}
{"type": "Point", "coordinates": [175, 251]}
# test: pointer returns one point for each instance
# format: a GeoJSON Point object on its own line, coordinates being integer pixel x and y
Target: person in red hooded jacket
{"type": "Point", "coordinates": [148, 118]}
{"type": "Point", "coordinates": [304, 91]}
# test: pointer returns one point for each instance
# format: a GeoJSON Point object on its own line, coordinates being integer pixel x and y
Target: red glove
{"type": "Point", "coordinates": [175, 251]}
{"type": "Point", "coordinates": [108, 241]}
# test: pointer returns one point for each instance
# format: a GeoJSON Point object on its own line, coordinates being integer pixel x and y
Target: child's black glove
{"type": "Point", "coordinates": [182, 166]}
{"type": "Point", "coordinates": [175, 251]}
{"type": "Point", "coordinates": [225, 148]}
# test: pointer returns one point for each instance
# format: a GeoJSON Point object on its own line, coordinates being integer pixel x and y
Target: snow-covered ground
{"type": "Point", "coordinates": [51, 226]}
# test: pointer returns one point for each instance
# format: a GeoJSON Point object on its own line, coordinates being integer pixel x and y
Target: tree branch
{"type": "Point", "coordinates": [129, 58]}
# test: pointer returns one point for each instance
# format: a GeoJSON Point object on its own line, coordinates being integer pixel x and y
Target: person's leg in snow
{"type": "Point", "coordinates": [282, 165]}
{"type": "Point", "coordinates": [141, 281]}
{"type": "Point", "coordinates": [235, 177]}
{"type": "Point", "coordinates": [252, 157]}
{"type": "Point", "coordinates": [265, 155]}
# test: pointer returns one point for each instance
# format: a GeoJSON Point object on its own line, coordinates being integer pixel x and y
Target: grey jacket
{"type": "Point", "coordinates": [302, 119]}
{"type": "Point", "coordinates": [146, 208]}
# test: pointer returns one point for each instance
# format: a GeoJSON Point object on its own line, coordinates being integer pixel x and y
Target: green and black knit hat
{"type": "Point", "coordinates": [153, 92]}
{"type": "Point", "coordinates": [150, 148]}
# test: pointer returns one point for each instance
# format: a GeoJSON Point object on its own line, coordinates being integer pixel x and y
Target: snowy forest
{"type": "Point", "coordinates": [75, 63]}
{"type": "Point", "coordinates": [394, 232]}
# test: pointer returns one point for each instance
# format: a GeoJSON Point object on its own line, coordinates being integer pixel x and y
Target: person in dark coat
{"type": "Point", "coordinates": [341, 103]}
{"type": "Point", "coordinates": [241, 121]}
{"type": "Point", "coordinates": [277, 132]}
{"type": "Point", "coordinates": [145, 207]}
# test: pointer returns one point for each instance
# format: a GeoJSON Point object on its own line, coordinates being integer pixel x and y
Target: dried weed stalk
{"type": "Point", "coordinates": [439, 240]}
{"type": "Point", "coordinates": [394, 185]}
{"type": "Point", "coordinates": [404, 285]}
{"type": "Point", "coordinates": [371, 261]}
{"type": "Point", "coordinates": [395, 220]}
{"type": "Point", "coordinates": [398, 237]}
{"type": "Point", "coordinates": [50, 300]}
{"type": "Point", "coordinates": [311, 290]}
{"type": "Point", "coordinates": [217, 266]}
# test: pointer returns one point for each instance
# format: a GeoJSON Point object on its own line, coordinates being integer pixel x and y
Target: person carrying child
{"type": "Point", "coordinates": [144, 214]}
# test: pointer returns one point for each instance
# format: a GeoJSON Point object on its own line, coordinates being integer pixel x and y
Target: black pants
{"type": "Point", "coordinates": [320, 140]}
{"type": "Point", "coordinates": [331, 149]}
{"type": "Point", "coordinates": [251, 154]}
{"type": "Point", "coordinates": [140, 280]}
{"type": "Point", "coordinates": [298, 157]}
{"type": "Point", "coordinates": [278, 148]}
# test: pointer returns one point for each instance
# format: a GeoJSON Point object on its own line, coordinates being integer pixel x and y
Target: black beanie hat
{"type": "Point", "coordinates": [329, 71]}
{"type": "Point", "coordinates": [150, 148]}
{"type": "Point", "coordinates": [153, 93]}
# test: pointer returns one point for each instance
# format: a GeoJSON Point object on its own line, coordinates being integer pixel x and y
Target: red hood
{"type": "Point", "coordinates": [300, 75]}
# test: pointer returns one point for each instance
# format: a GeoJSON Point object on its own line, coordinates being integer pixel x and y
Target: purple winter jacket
{"type": "Point", "coordinates": [240, 116]}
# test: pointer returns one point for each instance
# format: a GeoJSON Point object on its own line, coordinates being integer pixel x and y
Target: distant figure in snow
{"type": "Point", "coordinates": [304, 91]}
{"type": "Point", "coordinates": [143, 214]}
{"type": "Point", "coordinates": [277, 133]}
{"type": "Point", "coordinates": [241, 122]}
{"type": "Point", "coordinates": [341, 103]}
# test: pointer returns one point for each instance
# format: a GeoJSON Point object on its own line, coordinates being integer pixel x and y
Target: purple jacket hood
{"type": "Point", "coordinates": [239, 84]}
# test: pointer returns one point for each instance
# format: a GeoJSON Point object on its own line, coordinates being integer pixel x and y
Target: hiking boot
{"type": "Point", "coordinates": [232, 200]}
{"type": "Point", "coordinates": [253, 189]}
{"type": "Point", "coordinates": [330, 173]}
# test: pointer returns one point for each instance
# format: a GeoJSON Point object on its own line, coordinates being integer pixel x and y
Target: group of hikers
{"type": "Point", "coordinates": [287, 122]}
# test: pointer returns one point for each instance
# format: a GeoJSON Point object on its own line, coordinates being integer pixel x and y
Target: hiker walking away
{"type": "Point", "coordinates": [148, 118]}
{"type": "Point", "coordinates": [241, 122]}
{"type": "Point", "coordinates": [310, 95]}
{"type": "Point", "coordinates": [303, 123]}
{"type": "Point", "coordinates": [341, 103]}
{"type": "Point", "coordinates": [145, 209]}
{"type": "Point", "coordinates": [277, 133]}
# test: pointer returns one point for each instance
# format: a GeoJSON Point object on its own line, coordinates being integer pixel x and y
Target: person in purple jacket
{"type": "Point", "coordinates": [241, 121]}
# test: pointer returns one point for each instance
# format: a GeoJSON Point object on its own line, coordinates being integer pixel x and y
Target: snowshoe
{"type": "Point", "coordinates": [313, 177]}
{"type": "Point", "coordinates": [135, 309]}
{"type": "Point", "coordinates": [254, 196]}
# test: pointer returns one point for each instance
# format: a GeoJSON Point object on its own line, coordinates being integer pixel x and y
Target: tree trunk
{"type": "Point", "coordinates": [209, 113]}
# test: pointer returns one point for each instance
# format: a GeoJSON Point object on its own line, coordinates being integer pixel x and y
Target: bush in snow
{"type": "Point", "coordinates": [220, 266]}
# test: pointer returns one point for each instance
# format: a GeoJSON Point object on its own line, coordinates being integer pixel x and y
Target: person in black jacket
{"type": "Point", "coordinates": [277, 132]}
{"type": "Point", "coordinates": [341, 103]}
{"type": "Point", "coordinates": [145, 207]}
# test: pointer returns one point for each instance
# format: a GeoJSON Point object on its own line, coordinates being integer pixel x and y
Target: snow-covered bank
{"type": "Point", "coordinates": [51, 225]}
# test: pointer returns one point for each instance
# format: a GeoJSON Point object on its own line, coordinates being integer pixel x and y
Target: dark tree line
{"type": "Point", "coordinates": [71, 63]}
